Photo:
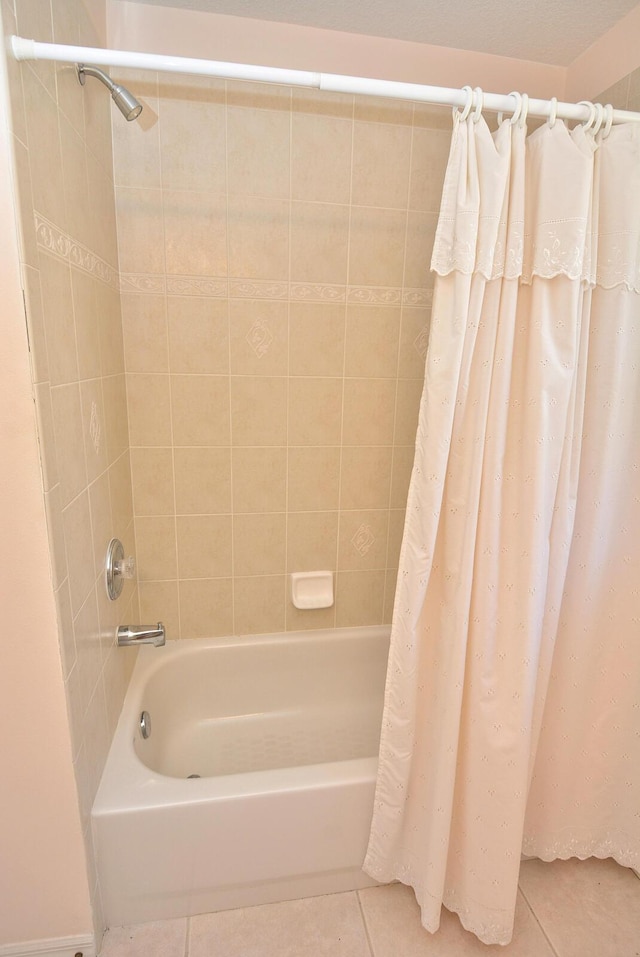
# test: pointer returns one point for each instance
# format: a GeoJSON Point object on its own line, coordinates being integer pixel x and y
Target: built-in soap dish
{"type": "Point", "coordinates": [312, 589]}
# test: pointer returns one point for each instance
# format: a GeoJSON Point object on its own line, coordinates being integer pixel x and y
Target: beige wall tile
{"type": "Point", "coordinates": [258, 331]}
{"type": "Point", "coordinates": [55, 530]}
{"type": "Point", "coordinates": [321, 103]}
{"type": "Point", "coordinates": [259, 605]}
{"type": "Point", "coordinates": [403, 456]}
{"type": "Point", "coordinates": [204, 546]}
{"type": "Point", "coordinates": [359, 598]}
{"type": "Point", "coordinates": [144, 327]}
{"type": "Point", "coordinates": [428, 163]}
{"type": "Point", "coordinates": [93, 428]}
{"type": "Point", "coordinates": [45, 156]}
{"type": "Point", "coordinates": [421, 231]}
{"type": "Point", "coordinates": [114, 391]}
{"type": "Point", "coordinates": [319, 242]}
{"type": "Point", "coordinates": [46, 436]}
{"type": "Point", "coordinates": [193, 161]}
{"type": "Point", "coordinates": [372, 340]}
{"type": "Point", "coordinates": [149, 409]}
{"type": "Point", "coordinates": [432, 117]}
{"type": "Point", "coordinates": [313, 478]}
{"type": "Point", "coordinates": [308, 619]}
{"type": "Point", "coordinates": [200, 409]}
{"type": "Point", "coordinates": [259, 479]}
{"type": "Point", "coordinates": [376, 246]}
{"type": "Point", "coordinates": [152, 481]}
{"type": "Point", "coordinates": [75, 178]}
{"type": "Point", "coordinates": [258, 237]}
{"type": "Point", "coordinates": [121, 498]}
{"type": "Point", "coordinates": [407, 410]}
{"type": "Point", "coordinates": [55, 280]}
{"type": "Point", "coordinates": [363, 539]}
{"type": "Point", "coordinates": [316, 339]}
{"type": "Point", "coordinates": [101, 231]}
{"type": "Point", "coordinates": [198, 335]}
{"type": "Point", "coordinates": [380, 109]}
{"type": "Point", "coordinates": [195, 233]}
{"type": "Point", "coordinates": [258, 96]}
{"type": "Point", "coordinates": [156, 548]}
{"type": "Point", "coordinates": [141, 242]}
{"type": "Point", "coordinates": [136, 146]}
{"type": "Point", "coordinates": [86, 628]}
{"type": "Point", "coordinates": [110, 325]}
{"type": "Point", "coordinates": [258, 410]}
{"type": "Point", "coordinates": [259, 544]}
{"type": "Point", "coordinates": [76, 519]}
{"type": "Point", "coordinates": [414, 341]}
{"type": "Point", "coordinates": [202, 480]}
{"type": "Point", "coordinates": [394, 543]}
{"type": "Point", "coordinates": [258, 151]}
{"type": "Point", "coordinates": [206, 608]}
{"type": "Point", "coordinates": [315, 411]}
{"type": "Point", "coordinates": [101, 519]}
{"type": "Point", "coordinates": [312, 541]}
{"type": "Point", "coordinates": [365, 476]}
{"type": "Point", "coordinates": [14, 75]}
{"type": "Point", "coordinates": [390, 583]}
{"type": "Point", "coordinates": [381, 159]}
{"type": "Point", "coordinates": [67, 430]}
{"type": "Point", "coordinates": [65, 629]}
{"type": "Point", "coordinates": [85, 310]}
{"type": "Point", "coordinates": [321, 158]}
{"type": "Point", "coordinates": [368, 411]}
{"type": "Point", "coordinates": [159, 602]}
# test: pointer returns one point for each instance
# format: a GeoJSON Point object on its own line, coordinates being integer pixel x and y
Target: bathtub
{"type": "Point", "coordinates": [283, 733]}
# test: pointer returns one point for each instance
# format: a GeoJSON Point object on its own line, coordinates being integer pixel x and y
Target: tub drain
{"type": "Point", "coordinates": [192, 776]}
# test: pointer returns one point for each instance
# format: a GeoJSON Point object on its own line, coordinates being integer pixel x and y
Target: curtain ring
{"type": "Point", "coordinates": [524, 109]}
{"type": "Point", "coordinates": [599, 118]}
{"type": "Point", "coordinates": [608, 110]}
{"type": "Point", "coordinates": [477, 113]}
{"type": "Point", "coordinates": [461, 115]}
{"type": "Point", "coordinates": [592, 117]}
{"type": "Point", "coordinates": [553, 112]}
{"type": "Point", "coordinates": [516, 110]}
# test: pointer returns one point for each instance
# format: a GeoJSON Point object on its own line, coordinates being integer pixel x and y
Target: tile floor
{"type": "Point", "coordinates": [565, 909]}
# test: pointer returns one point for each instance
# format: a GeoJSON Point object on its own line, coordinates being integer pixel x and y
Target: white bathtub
{"type": "Point", "coordinates": [283, 731]}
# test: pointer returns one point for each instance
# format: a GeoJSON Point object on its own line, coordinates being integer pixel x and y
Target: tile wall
{"type": "Point", "coordinates": [274, 248]}
{"type": "Point", "coordinates": [62, 145]}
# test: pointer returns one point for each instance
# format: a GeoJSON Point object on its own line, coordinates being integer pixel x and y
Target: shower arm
{"type": "Point", "coordinates": [25, 49]}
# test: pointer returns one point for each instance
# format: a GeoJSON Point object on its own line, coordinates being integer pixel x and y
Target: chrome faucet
{"type": "Point", "coordinates": [141, 635]}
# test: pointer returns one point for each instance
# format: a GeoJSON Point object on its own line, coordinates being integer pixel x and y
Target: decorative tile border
{"type": "Point", "coordinates": [55, 241]}
{"type": "Point", "coordinates": [219, 288]}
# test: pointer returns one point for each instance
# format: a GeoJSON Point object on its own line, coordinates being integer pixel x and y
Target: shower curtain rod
{"type": "Point", "coordinates": [24, 49]}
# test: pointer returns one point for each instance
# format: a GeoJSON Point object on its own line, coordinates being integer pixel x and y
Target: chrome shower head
{"type": "Point", "coordinates": [125, 101]}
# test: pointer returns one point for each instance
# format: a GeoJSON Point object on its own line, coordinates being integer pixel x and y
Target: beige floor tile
{"type": "Point", "coordinates": [393, 921]}
{"type": "Point", "coordinates": [328, 926]}
{"type": "Point", "coordinates": [164, 938]}
{"type": "Point", "coordinates": [587, 908]}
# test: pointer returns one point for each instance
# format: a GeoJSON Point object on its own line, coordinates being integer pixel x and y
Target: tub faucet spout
{"type": "Point", "coordinates": [141, 635]}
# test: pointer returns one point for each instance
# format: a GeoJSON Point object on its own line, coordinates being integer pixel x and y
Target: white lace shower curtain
{"type": "Point", "coordinates": [512, 707]}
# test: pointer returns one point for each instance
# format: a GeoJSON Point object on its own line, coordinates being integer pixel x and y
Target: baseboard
{"type": "Point", "coordinates": [83, 944]}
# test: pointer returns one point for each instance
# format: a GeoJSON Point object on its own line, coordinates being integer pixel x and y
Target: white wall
{"type": "Point", "coordinates": [43, 883]}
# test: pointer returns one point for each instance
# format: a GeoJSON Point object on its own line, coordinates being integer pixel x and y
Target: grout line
{"type": "Point", "coordinates": [232, 576]}
{"type": "Point", "coordinates": [538, 921]}
{"type": "Point", "coordinates": [366, 926]}
{"type": "Point", "coordinates": [288, 382]}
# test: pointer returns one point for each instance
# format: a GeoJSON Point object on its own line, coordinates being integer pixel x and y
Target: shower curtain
{"type": "Point", "coordinates": [512, 706]}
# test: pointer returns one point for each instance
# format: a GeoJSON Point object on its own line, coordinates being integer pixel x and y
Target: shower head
{"type": "Point", "coordinates": [125, 101]}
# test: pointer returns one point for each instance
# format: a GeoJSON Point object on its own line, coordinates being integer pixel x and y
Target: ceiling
{"type": "Point", "coordinates": [547, 31]}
